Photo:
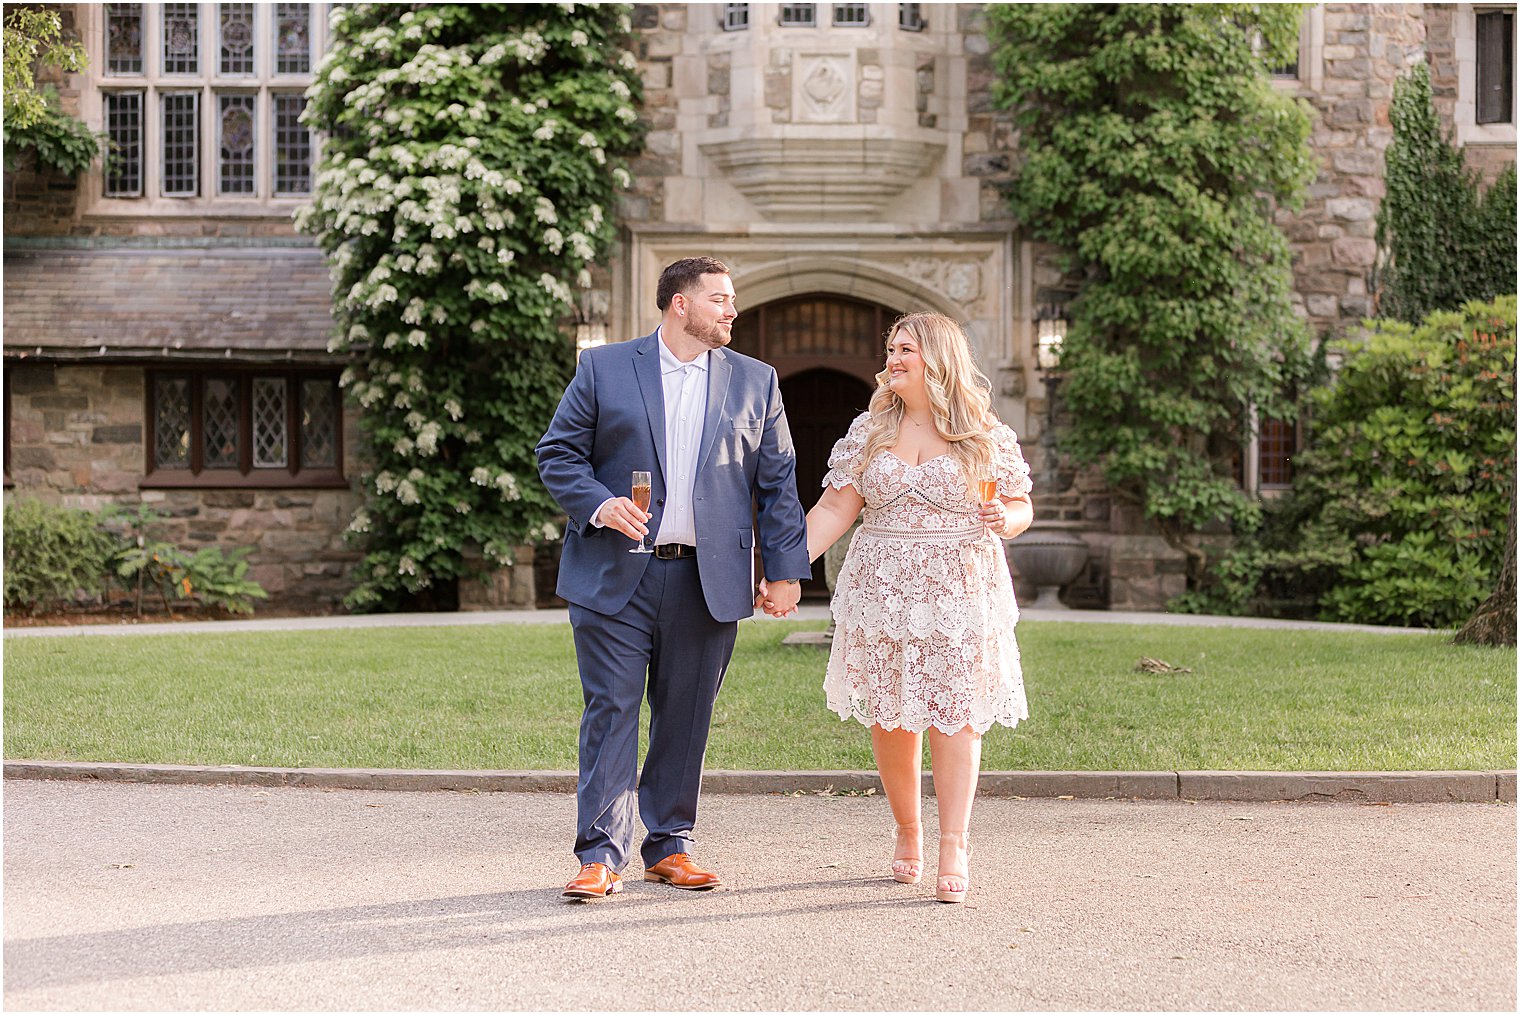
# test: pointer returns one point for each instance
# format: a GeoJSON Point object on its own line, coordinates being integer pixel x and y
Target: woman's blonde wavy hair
{"type": "Point", "coordinates": [959, 395]}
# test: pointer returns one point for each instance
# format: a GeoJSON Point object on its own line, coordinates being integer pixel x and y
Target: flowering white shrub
{"type": "Point", "coordinates": [471, 150]}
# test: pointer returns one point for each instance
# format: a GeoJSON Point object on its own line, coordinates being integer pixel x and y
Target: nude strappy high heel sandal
{"type": "Point", "coordinates": [908, 870]}
{"type": "Point", "coordinates": [945, 889]}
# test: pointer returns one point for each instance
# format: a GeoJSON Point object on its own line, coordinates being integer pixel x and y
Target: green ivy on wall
{"type": "Point", "coordinates": [1443, 241]}
{"type": "Point", "coordinates": [1156, 153]}
{"type": "Point", "coordinates": [466, 189]}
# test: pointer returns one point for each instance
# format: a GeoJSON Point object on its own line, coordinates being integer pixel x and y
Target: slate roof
{"type": "Point", "coordinates": [178, 303]}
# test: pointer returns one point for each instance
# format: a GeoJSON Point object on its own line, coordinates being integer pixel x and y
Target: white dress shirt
{"type": "Point", "coordinates": [685, 389]}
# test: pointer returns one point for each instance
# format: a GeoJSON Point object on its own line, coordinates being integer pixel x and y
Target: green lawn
{"type": "Point", "coordinates": [507, 697]}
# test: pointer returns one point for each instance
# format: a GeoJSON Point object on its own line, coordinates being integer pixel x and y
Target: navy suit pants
{"type": "Point", "coordinates": [664, 643]}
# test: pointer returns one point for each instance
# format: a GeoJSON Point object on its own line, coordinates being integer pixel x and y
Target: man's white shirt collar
{"type": "Point", "coordinates": [668, 361]}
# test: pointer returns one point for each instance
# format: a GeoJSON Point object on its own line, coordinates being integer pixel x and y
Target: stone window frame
{"type": "Point", "coordinates": [910, 18]}
{"type": "Point", "coordinates": [790, 15]}
{"type": "Point", "coordinates": [1310, 74]}
{"type": "Point", "coordinates": [843, 15]}
{"type": "Point", "coordinates": [96, 83]}
{"type": "Point", "coordinates": [735, 18]}
{"type": "Point", "coordinates": [292, 475]}
{"type": "Point", "coordinates": [1465, 112]}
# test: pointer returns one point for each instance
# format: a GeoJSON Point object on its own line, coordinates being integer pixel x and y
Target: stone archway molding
{"type": "Point", "coordinates": [767, 282]}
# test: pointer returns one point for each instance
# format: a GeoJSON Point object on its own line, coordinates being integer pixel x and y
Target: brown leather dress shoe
{"type": "Point", "coordinates": [595, 881]}
{"type": "Point", "coordinates": [680, 871]}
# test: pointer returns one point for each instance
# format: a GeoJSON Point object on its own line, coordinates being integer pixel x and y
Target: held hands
{"type": "Point", "coordinates": [780, 599]}
{"type": "Point", "coordinates": [624, 515]}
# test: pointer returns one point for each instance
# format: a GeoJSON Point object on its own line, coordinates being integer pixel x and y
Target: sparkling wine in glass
{"type": "Point", "coordinates": [642, 488]}
{"type": "Point", "coordinates": [987, 487]}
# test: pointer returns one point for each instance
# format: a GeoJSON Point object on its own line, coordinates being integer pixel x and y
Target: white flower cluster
{"type": "Point", "coordinates": [503, 481]}
{"type": "Point", "coordinates": [554, 287]}
{"type": "Point", "coordinates": [491, 292]}
{"type": "Point", "coordinates": [360, 522]}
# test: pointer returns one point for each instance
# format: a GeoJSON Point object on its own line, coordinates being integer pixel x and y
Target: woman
{"type": "Point", "coordinates": [924, 606]}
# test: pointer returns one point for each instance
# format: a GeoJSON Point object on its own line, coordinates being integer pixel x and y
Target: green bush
{"type": "Point", "coordinates": [218, 581]}
{"type": "Point", "coordinates": [147, 563]}
{"type": "Point", "coordinates": [1400, 510]}
{"type": "Point", "coordinates": [52, 555]}
{"type": "Point", "coordinates": [468, 188]}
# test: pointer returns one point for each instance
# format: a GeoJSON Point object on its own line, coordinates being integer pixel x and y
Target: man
{"type": "Point", "coordinates": [708, 425]}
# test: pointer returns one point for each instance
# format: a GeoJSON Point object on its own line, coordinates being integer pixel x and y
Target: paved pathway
{"type": "Point", "coordinates": [141, 897]}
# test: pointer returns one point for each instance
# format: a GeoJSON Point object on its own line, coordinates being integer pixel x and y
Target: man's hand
{"type": "Point", "coordinates": [780, 598]}
{"type": "Point", "coordinates": [624, 515]}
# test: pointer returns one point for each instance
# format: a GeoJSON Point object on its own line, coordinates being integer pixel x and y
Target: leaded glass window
{"type": "Point", "coordinates": [292, 146]}
{"type": "Point", "coordinates": [735, 17]}
{"type": "Point", "coordinates": [235, 125]}
{"type": "Point", "coordinates": [798, 15]}
{"type": "Point", "coordinates": [236, 58]}
{"type": "Point", "coordinates": [319, 424]}
{"type": "Point", "coordinates": [181, 39]}
{"type": "Point", "coordinates": [124, 128]}
{"type": "Point", "coordinates": [171, 424]}
{"type": "Point", "coordinates": [124, 39]}
{"type": "Point", "coordinates": [292, 25]}
{"type": "Point", "coordinates": [271, 422]}
{"type": "Point", "coordinates": [852, 15]}
{"type": "Point", "coordinates": [181, 144]}
{"type": "Point", "coordinates": [1277, 443]}
{"type": "Point", "coordinates": [204, 101]}
{"type": "Point", "coordinates": [222, 423]}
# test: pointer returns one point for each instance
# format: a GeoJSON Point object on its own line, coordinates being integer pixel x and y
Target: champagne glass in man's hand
{"type": "Point", "coordinates": [642, 488]}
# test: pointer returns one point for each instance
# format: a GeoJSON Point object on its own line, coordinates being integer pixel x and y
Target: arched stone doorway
{"type": "Point", "coordinates": [827, 351]}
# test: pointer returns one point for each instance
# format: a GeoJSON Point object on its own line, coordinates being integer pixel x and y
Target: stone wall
{"type": "Point", "coordinates": [1366, 47]}
{"type": "Point", "coordinates": [76, 439]}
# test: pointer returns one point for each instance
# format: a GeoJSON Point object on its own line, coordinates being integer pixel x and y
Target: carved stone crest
{"type": "Point", "coordinates": [825, 88]}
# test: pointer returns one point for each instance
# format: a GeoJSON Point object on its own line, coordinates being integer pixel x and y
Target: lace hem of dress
{"type": "Point", "coordinates": [979, 725]}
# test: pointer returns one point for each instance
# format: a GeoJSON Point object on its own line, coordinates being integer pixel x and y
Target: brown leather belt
{"type": "Point", "coordinates": [674, 551]}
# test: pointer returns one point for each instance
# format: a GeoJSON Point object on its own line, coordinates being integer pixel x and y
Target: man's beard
{"type": "Point", "coordinates": [713, 336]}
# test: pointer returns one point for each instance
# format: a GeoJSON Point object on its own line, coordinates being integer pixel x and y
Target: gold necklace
{"type": "Point", "coordinates": [915, 422]}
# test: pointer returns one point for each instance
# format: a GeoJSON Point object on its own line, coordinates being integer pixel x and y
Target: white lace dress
{"type": "Point", "coordinates": [924, 607]}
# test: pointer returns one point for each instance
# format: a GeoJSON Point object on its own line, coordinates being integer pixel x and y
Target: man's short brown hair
{"type": "Point", "coordinates": [682, 275]}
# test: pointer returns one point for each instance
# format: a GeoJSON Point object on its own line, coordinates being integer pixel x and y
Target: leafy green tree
{"type": "Point", "coordinates": [1442, 240]}
{"type": "Point", "coordinates": [465, 191]}
{"type": "Point", "coordinates": [32, 120]}
{"type": "Point", "coordinates": [1156, 152]}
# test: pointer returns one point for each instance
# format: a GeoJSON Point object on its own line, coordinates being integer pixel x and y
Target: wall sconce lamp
{"type": "Point", "coordinates": [1050, 332]}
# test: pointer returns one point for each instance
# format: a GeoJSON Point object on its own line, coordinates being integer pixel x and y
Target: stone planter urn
{"type": "Point", "coordinates": [1048, 559]}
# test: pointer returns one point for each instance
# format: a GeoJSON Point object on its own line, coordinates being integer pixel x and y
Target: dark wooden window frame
{"type": "Point", "coordinates": [291, 475]}
{"type": "Point", "coordinates": [1494, 66]}
{"type": "Point", "coordinates": [1274, 438]}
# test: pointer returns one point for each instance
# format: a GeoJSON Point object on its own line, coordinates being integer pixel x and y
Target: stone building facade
{"type": "Point", "coordinates": [846, 160]}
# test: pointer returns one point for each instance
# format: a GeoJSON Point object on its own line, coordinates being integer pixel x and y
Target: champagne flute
{"type": "Point", "coordinates": [986, 488]}
{"type": "Point", "coordinates": [642, 487]}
